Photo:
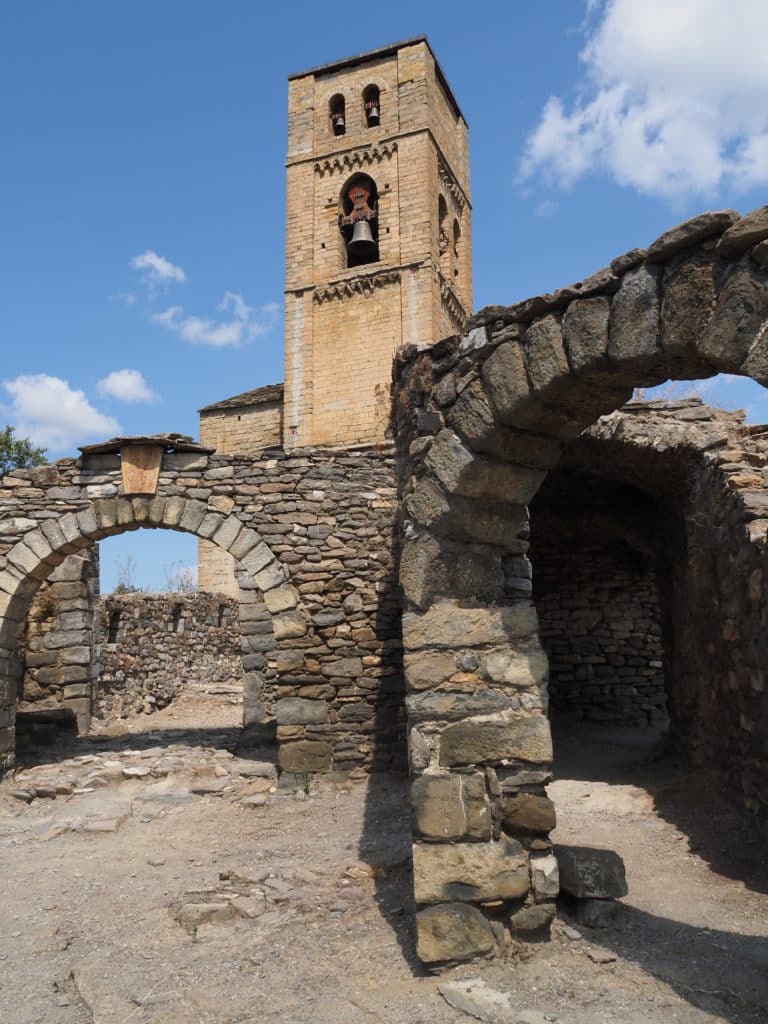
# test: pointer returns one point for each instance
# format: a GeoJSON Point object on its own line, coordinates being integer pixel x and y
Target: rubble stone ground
{"type": "Point", "coordinates": [158, 874]}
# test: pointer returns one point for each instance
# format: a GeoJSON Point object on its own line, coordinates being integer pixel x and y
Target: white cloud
{"type": "Point", "coordinates": [127, 386]}
{"type": "Point", "coordinates": [157, 269]}
{"type": "Point", "coordinates": [245, 323]}
{"type": "Point", "coordinates": [53, 414]}
{"type": "Point", "coordinates": [673, 102]}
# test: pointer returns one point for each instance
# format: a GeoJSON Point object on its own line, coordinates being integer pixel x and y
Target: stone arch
{"type": "Point", "coordinates": [481, 419]}
{"type": "Point", "coordinates": [42, 548]}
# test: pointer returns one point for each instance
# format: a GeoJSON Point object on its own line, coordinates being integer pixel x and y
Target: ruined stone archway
{"type": "Point", "coordinates": [481, 419]}
{"type": "Point", "coordinates": [42, 549]}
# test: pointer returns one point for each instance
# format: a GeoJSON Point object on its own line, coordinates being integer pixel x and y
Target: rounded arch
{"type": "Point", "coordinates": [480, 421]}
{"type": "Point", "coordinates": [43, 548]}
{"type": "Point", "coordinates": [337, 114]}
{"type": "Point", "coordinates": [359, 219]}
{"type": "Point", "coordinates": [372, 105]}
{"type": "Point", "coordinates": [456, 247]}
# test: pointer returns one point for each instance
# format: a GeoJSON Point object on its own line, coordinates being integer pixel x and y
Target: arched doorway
{"type": "Point", "coordinates": [482, 420]}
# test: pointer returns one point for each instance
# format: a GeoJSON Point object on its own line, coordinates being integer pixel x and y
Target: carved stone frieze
{"type": "Point", "coordinates": [362, 284]}
{"type": "Point", "coordinates": [344, 162]}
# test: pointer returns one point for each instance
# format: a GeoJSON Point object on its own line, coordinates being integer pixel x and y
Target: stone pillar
{"type": "Point", "coordinates": [480, 754]}
{"type": "Point", "coordinates": [60, 662]}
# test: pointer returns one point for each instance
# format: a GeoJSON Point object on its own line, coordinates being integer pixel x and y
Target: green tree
{"type": "Point", "coordinates": [18, 452]}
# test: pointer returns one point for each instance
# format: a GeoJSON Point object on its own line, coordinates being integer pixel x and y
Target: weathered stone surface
{"type": "Point", "coordinates": [544, 876]}
{"type": "Point", "coordinates": [585, 328]}
{"type": "Point", "coordinates": [451, 807]}
{"type": "Point", "coordinates": [451, 626]}
{"type": "Point", "coordinates": [452, 706]}
{"type": "Point", "coordinates": [686, 309]}
{"type": "Point", "coordinates": [427, 669]}
{"type": "Point", "coordinates": [465, 473]}
{"type": "Point", "coordinates": [305, 756]}
{"type": "Point", "coordinates": [627, 261]}
{"type": "Point", "coordinates": [690, 232]}
{"type": "Point", "coordinates": [298, 711]}
{"type": "Point", "coordinates": [469, 871]}
{"type": "Point", "coordinates": [506, 380]}
{"type": "Point", "coordinates": [748, 230]}
{"type": "Point", "coordinates": [759, 254]}
{"type": "Point", "coordinates": [527, 813]}
{"type": "Point", "coordinates": [591, 873]}
{"type": "Point", "coordinates": [477, 999]}
{"type": "Point", "coordinates": [452, 932]}
{"type": "Point", "coordinates": [742, 309]}
{"type": "Point", "coordinates": [545, 355]}
{"type": "Point", "coordinates": [524, 666]}
{"type": "Point", "coordinates": [635, 331]}
{"type": "Point", "coordinates": [531, 921]}
{"type": "Point", "coordinates": [484, 741]}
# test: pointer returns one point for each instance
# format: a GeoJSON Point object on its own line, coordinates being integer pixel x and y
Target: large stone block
{"type": "Point", "coordinates": [691, 232]}
{"type": "Point", "coordinates": [466, 473]}
{"type": "Point", "coordinates": [446, 624]}
{"type": "Point", "coordinates": [305, 756]}
{"type": "Point", "coordinates": [488, 741]}
{"type": "Point", "coordinates": [289, 625]}
{"type": "Point", "coordinates": [546, 359]}
{"type": "Point", "coordinates": [451, 706]}
{"type": "Point", "coordinates": [588, 873]}
{"type": "Point", "coordinates": [432, 567]}
{"type": "Point", "coordinates": [449, 807]}
{"type": "Point", "coordinates": [686, 309]}
{"type": "Point", "coordinates": [281, 598]}
{"type": "Point", "coordinates": [585, 327]}
{"type": "Point", "coordinates": [524, 666]}
{"type": "Point", "coordinates": [469, 872]}
{"type": "Point", "coordinates": [748, 230]}
{"type": "Point", "coordinates": [428, 669]}
{"type": "Point", "coordinates": [452, 932]}
{"type": "Point", "coordinates": [635, 329]}
{"type": "Point", "coordinates": [528, 813]}
{"type": "Point", "coordinates": [299, 711]}
{"type": "Point", "coordinates": [742, 309]}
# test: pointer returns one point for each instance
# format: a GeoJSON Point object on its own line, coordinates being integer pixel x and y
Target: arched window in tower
{"type": "Point", "coordinates": [444, 242]}
{"type": "Point", "coordinates": [372, 105]}
{"type": "Point", "coordinates": [359, 220]}
{"type": "Point", "coordinates": [336, 113]}
{"type": "Point", "coordinates": [456, 247]}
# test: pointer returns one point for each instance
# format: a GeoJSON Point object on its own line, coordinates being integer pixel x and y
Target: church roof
{"type": "Point", "coordinates": [258, 396]}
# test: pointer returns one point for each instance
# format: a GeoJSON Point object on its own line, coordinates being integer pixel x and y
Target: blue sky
{"type": "Point", "coordinates": [141, 265]}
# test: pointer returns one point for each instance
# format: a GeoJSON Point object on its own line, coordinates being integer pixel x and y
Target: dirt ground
{"type": "Point", "coordinates": [171, 881]}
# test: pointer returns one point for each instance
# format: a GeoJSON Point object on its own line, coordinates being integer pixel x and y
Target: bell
{"type": "Point", "coordinates": [339, 127]}
{"type": "Point", "coordinates": [362, 245]}
{"type": "Point", "coordinates": [373, 115]}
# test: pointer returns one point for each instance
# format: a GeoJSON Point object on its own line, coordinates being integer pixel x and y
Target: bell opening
{"type": "Point", "coordinates": [371, 104]}
{"type": "Point", "coordinates": [359, 222]}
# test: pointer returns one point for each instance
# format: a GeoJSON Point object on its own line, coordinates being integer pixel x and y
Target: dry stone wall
{"type": "Point", "coordinates": [481, 419]}
{"type": "Point", "coordinates": [312, 537]}
{"type": "Point", "coordinates": [57, 643]}
{"type": "Point", "coordinates": [152, 647]}
{"type": "Point", "coordinates": [594, 550]}
{"type": "Point", "coordinates": [601, 629]}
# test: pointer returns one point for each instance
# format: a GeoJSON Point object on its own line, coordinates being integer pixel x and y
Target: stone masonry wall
{"type": "Point", "coordinates": [481, 420]}
{"type": "Point", "coordinates": [312, 535]}
{"type": "Point", "coordinates": [600, 626]}
{"type": "Point", "coordinates": [151, 647]}
{"type": "Point", "coordinates": [58, 639]}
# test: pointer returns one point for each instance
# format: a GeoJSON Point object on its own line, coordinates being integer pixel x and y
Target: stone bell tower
{"type": "Point", "coordinates": [378, 249]}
